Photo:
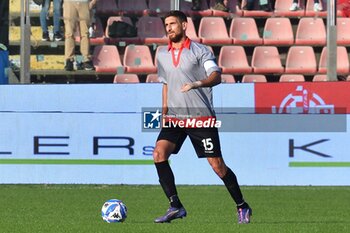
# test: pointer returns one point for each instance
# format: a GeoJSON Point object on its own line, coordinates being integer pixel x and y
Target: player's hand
{"type": "Point", "coordinates": [188, 86]}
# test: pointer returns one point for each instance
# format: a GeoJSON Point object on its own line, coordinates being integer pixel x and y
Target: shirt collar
{"type": "Point", "coordinates": [185, 44]}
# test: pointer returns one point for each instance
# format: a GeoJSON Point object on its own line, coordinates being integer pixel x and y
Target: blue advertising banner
{"type": "Point", "coordinates": [94, 134]}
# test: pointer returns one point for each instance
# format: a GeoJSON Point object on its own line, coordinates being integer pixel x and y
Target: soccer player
{"type": "Point", "coordinates": [188, 71]}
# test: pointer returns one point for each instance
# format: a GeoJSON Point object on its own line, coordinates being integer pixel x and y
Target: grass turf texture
{"type": "Point", "coordinates": [76, 208]}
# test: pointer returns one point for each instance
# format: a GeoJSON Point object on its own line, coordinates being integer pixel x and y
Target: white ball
{"type": "Point", "coordinates": [114, 210]}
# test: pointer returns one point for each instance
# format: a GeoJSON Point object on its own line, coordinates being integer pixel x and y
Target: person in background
{"type": "Point", "coordinates": [221, 5]}
{"type": "Point", "coordinates": [74, 12]}
{"type": "Point", "coordinates": [295, 5]}
{"type": "Point", "coordinates": [92, 28]}
{"type": "Point", "coordinates": [265, 5]}
{"type": "Point", "coordinates": [44, 16]}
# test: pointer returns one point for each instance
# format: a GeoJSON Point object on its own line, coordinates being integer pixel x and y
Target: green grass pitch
{"type": "Point", "coordinates": [76, 208]}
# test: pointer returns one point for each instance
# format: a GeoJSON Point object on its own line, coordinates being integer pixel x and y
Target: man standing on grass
{"type": "Point", "coordinates": [188, 71]}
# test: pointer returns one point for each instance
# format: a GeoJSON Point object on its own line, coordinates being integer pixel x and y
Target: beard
{"type": "Point", "coordinates": [176, 38]}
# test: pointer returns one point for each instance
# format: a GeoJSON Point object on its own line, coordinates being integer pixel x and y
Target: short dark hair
{"type": "Point", "coordinates": [178, 14]}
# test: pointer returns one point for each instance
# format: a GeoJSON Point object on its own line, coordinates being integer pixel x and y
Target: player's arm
{"type": "Point", "coordinates": [213, 79]}
{"type": "Point", "coordinates": [165, 99]}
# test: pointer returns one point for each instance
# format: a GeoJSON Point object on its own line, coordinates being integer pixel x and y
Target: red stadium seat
{"type": "Point", "coordinates": [212, 31]}
{"type": "Point", "coordinates": [320, 78]}
{"type": "Point", "coordinates": [138, 59]}
{"type": "Point", "coordinates": [126, 78]}
{"type": "Point", "coordinates": [292, 78]}
{"type": "Point", "coordinates": [233, 59]}
{"type": "Point", "coordinates": [301, 59]}
{"type": "Point", "coordinates": [133, 7]}
{"type": "Point", "coordinates": [282, 9]}
{"type": "Point", "coordinates": [311, 31]}
{"type": "Point", "coordinates": [227, 78]}
{"type": "Point", "coordinates": [159, 7]}
{"type": "Point", "coordinates": [343, 32]}
{"type": "Point", "coordinates": [342, 61]}
{"type": "Point", "coordinates": [244, 31]}
{"type": "Point", "coordinates": [254, 78]}
{"type": "Point", "coordinates": [186, 6]}
{"type": "Point", "coordinates": [278, 31]}
{"type": "Point", "coordinates": [152, 78]}
{"type": "Point", "coordinates": [106, 59]}
{"type": "Point", "coordinates": [151, 30]}
{"type": "Point", "coordinates": [128, 40]}
{"type": "Point", "coordinates": [191, 30]}
{"type": "Point", "coordinates": [266, 59]}
{"type": "Point", "coordinates": [106, 7]}
{"type": "Point", "coordinates": [309, 10]}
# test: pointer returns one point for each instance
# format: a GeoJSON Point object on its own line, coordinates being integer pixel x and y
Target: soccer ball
{"type": "Point", "coordinates": [114, 210]}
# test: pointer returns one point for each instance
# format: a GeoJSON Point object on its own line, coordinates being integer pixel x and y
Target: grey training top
{"type": "Point", "coordinates": [190, 68]}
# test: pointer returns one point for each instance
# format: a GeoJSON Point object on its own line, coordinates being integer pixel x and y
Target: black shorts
{"type": "Point", "coordinates": [205, 141]}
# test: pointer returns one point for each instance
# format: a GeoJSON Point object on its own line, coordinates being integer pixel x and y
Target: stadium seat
{"type": "Point", "coordinates": [278, 31]}
{"type": "Point", "coordinates": [186, 6]}
{"type": "Point", "coordinates": [342, 61]}
{"type": "Point", "coordinates": [227, 78]}
{"type": "Point", "coordinates": [106, 59]}
{"type": "Point", "coordinates": [311, 31]}
{"type": "Point", "coordinates": [99, 37]}
{"type": "Point", "coordinates": [126, 78]}
{"type": "Point", "coordinates": [282, 9]}
{"type": "Point", "coordinates": [232, 5]}
{"type": "Point", "coordinates": [128, 40]}
{"type": "Point", "coordinates": [254, 78]}
{"type": "Point", "coordinates": [266, 59]}
{"type": "Point", "coordinates": [343, 32]}
{"type": "Point", "coordinates": [151, 30]}
{"type": "Point", "coordinates": [309, 10]}
{"type": "Point", "coordinates": [301, 59]}
{"type": "Point", "coordinates": [209, 25]}
{"type": "Point", "coordinates": [159, 7]}
{"type": "Point", "coordinates": [320, 78]}
{"type": "Point", "coordinates": [138, 59]}
{"type": "Point", "coordinates": [256, 12]}
{"type": "Point", "coordinates": [133, 7]}
{"type": "Point", "coordinates": [292, 78]}
{"type": "Point", "coordinates": [244, 31]}
{"type": "Point", "coordinates": [152, 78]}
{"type": "Point", "coordinates": [106, 7]}
{"type": "Point", "coordinates": [191, 30]}
{"type": "Point", "coordinates": [233, 59]}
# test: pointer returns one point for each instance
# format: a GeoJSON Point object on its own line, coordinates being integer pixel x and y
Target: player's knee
{"type": "Point", "coordinates": [158, 156]}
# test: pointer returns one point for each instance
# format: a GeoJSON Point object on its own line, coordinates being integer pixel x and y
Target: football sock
{"type": "Point", "coordinates": [167, 181]}
{"type": "Point", "coordinates": [230, 181]}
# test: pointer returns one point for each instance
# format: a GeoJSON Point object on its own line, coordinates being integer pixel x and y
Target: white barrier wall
{"type": "Point", "coordinates": [93, 134]}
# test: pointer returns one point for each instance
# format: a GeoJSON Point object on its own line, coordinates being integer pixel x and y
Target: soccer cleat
{"type": "Point", "coordinates": [171, 214]}
{"type": "Point", "coordinates": [294, 7]}
{"type": "Point", "coordinates": [244, 215]}
{"type": "Point", "coordinates": [317, 7]}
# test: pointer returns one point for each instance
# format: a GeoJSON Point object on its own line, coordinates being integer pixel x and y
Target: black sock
{"type": "Point", "coordinates": [167, 181]}
{"type": "Point", "coordinates": [230, 181]}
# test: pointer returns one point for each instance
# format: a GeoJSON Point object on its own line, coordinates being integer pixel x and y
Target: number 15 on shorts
{"type": "Point", "coordinates": [208, 144]}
